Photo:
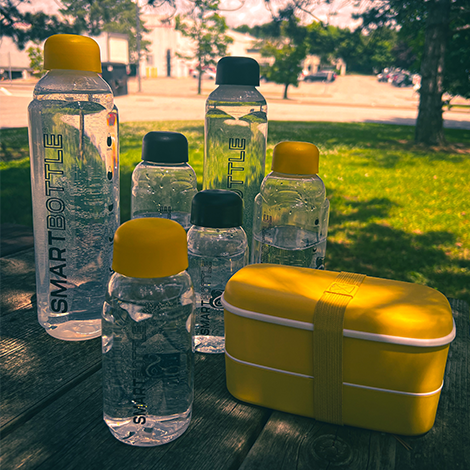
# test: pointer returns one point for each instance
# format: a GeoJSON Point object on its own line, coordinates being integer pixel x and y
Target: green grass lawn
{"type": "Point", "coordinates": [397, 211]}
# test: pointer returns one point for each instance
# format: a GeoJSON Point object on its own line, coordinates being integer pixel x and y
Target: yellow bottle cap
{"type": "Point", "coordinates": [72, 52]}
{"type": "Point", "coordinates": [295, 158]}
{"type": "Point", "coordinates": [150, 247]}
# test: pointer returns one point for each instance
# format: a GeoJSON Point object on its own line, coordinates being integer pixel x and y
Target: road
{"type": "Point", "coordinates": [348, 99]}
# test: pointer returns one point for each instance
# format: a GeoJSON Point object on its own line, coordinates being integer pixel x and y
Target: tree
{"type": "Point", "coordinates": [207, 29]}
{"type": "Point", "coordinates": [441, 27]}
{"type": "Point", "coordinates": [112, 16]}
{"type": "Point", "coordinates": [36, 58]}
{"type": "Point", "coordinates": [90, 16]}
{"type": "Point", "coordinates": [288, 49]}
{"type": "Point", "coordinates": [457, 71]}
{"type": "Point", "coordinates": [10, 16]}
{"type": "Point", "coordinates": [27, 26]}
{"type": "Point", "coordinates": [366, 53]}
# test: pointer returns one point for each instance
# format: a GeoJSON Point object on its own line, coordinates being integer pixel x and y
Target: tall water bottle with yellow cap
{"type": "Point", "coordinates": [74, 148]}
{"type": "Point", "coordinates": [290, 223]}
{"type": "Point", "coordinates": [148, 326]}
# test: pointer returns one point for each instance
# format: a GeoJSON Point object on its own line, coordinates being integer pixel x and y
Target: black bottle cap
{"type": "Point", "coordinates": [237, 71]}
{"type": "Point", "coordinates": [165, 147]}
{"type": "Point", "coordinates": [217, 208]}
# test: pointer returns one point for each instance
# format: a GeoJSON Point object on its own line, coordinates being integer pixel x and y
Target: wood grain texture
{"type": "Point", "coordinates": [293, 442]}
{"type": "Point", "coordinates": [52, 410]}
{"type": "Point", "coordinates": [71, 434]}
{"type": "Point", "coordinates": [18, 281]}
{"type": "Point", "coordinates": [36, 367]}
{"type": "Point", "coordinates": [14, 238]}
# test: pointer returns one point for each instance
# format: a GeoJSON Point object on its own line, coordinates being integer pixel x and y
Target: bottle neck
{"type": "Point", "coordinates": [237, 93]}
{"type": "Point", "coordinates": [173, 165]}
{"type": "Point", "coordinates": [75, 81]}
{"type": "Point", "coordinates": [276, 174]}
{"type": "Point", "coordinates": [237, 87]}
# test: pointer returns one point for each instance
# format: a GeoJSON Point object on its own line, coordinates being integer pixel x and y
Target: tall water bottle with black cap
{"type": "Point", "coordinates": [236, 130]}
{"type": "Point", "coordinates": [163, 183]}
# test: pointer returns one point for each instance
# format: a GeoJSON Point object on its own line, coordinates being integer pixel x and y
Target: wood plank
{"type": "Point", "coordinates": [289, 441]}
{"type": "Point", "coordinates": [35, 367]}
{"type": "Point", "coordinates": [17, 273]}
{"type": "Point", "coordinates": [14, 238]}
{"type": "Point", "coordinates": [70, 432]}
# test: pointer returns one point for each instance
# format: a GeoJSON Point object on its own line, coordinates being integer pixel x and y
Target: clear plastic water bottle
{"type": "Point", "coordinates": [148, 324]}
{"type": "Point", "coordinates": [74, 148]}
{"type": "Point", "coordinates": [217, 249]}
{"type": "Point", "coordinates": [236, 129]}
{"type": "Point", "coordinates": [291, 211]}
{"type": "Point", "coordinates": [163, 184]}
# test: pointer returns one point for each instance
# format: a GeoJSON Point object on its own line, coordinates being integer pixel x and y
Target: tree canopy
{"type": "Point", "coordinates": [438, 33]}
{"type": "Point", "coordinates": [287, 42]}
{"type": "Point", "coordinates": [112, 16]}
{"type": "Point", "coordinates": [207, 28]}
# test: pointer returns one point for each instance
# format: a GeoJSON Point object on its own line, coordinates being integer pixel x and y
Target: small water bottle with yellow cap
{"type": "Point", "coordinates": [148, 324]}
{"type": "Point", "coordinates": [290, 222]}
{"type": "Point", "coordinates": [74, 148]}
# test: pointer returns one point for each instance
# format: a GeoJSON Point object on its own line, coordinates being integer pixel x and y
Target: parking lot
{"type": "Point", "coordinates": [347, 99]}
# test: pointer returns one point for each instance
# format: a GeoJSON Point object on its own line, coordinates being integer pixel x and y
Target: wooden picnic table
{"type": "Point", "coordinates": [51, 415]}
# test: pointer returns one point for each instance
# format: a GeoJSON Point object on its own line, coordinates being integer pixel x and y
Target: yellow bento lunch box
{"type": "Point", "coordinates": [338, 347]}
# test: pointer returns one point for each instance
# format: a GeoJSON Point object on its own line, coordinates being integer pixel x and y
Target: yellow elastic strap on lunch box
{"type": "Point", "coordinates": [328, 347]}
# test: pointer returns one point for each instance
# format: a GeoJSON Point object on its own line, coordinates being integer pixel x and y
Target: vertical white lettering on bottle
{"type": "Point", "coordinates": [235, 182]}
{"type": "Point", "coordinates": [204, 317]}
{"type": "Point", "coordinates": [55, 221]}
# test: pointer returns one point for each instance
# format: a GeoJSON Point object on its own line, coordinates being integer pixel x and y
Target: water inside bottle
{"type": "Point", "coordinates": [290, 246]}
{"type": "Point", "coordinates": [235, 151]}
{"type": "Point", "coordinates": [147, 370]}
{"type": "Point", "coordinates": [210, 275]}
{"type": "Point", "coordinates": [75, 210]}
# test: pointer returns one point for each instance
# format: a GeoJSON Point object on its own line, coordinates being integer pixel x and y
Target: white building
{"type": "Point", "coordinates": [167, 46]}
{"type": "Point", "coordinates": [13, 62]}
{"type": "Point", "coordinates": [114, 47]}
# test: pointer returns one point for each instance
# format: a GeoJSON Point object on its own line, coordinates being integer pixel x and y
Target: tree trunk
{"type": "Point", "coordinates": [429, 125]}
{"type": "Point", "coordinates": [199, 78]}
{"type": "Point", "coordinates": [286, 86]}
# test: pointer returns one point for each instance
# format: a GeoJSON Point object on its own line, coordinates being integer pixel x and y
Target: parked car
{"type": "Point", "coordinates": [402, 79]}
{"type": "Point", "coordinates": [321, 76]}
{"type": "Point", "coordinates": [116, 75]}
{"type": "Point", "coordinates": [208, 73]}
{"type": "Point", "coordinates": [383, 76]}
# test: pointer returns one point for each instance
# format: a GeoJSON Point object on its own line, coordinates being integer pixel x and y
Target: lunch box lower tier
{"type": "Point", "coordinates": [338, 347]}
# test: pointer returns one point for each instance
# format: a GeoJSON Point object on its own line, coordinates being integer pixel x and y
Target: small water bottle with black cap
{"type": "Point", "coordinates": [163, 183]}
{"type": "Point", "coordinates": [217, 249]}
{"type": "Point", "coordinates": [236, 129]}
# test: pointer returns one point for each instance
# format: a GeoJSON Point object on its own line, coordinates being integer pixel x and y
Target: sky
{"type": "Point", "coordinates": [252, 12]}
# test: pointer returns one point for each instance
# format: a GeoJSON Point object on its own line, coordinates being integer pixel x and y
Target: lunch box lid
{"type": "Point", "coordinates": [381, 310]}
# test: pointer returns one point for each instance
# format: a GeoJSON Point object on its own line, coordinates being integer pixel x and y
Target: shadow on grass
{"type": "Point", "coordinates": [328, 135]}
{"type": "Point", "coordinates": [358, 242]}
{"type": "Point", "coordinates": [16, 206]}
{"type": "Point", "coordinates": [360, 239]}
{"type": "Point", "coordinates": [14, 144]}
